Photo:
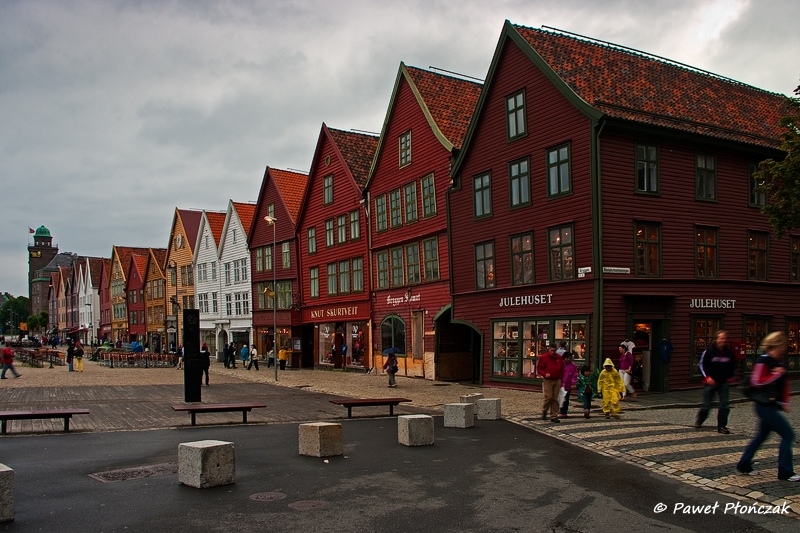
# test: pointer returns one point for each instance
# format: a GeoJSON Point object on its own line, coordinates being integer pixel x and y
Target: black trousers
{"type": "Point", "coordinates": [252, 362]}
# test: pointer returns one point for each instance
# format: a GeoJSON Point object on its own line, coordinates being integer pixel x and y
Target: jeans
{"type": "Point", "coordinates": [13, 370]}
{"type": "Point", "coordinates": [770, 419]}
{"type": "Point", "coordinates": [723, 389]}
{"type": "Point", "coordinates": [587, 400]}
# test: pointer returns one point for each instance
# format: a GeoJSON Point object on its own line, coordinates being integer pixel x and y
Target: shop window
{"type": "Point", "coordinates": [383, 269]}
{"type": "Point", "coordinates": [558, 171]}
{"type": "Point", "coordinates": [646, 169]}
{"type": "Point", "coordinates": [398, 279]}
{"type": "Point", "coordinates": [648, 249]}
{"type": "Point", "coordinates": [483, 195]}
{"type": "Point", "coordinates": [794, 259]}
{"type": "Point", "coordinates": [704, 331]}
{"type": "Point", "coordinates": [758, 255]}
{"type": "Point", "coordinates": [505, 349]}
{"type": "Point", "coordinates": [536, 335]}
{"type": "Point", "coordinates": [755, 329]}
{"type": "Point", "coordinates": [484, 265]}
{"type": "Point", "coordinates": [412, 263]}
{"type": "Point", "coordinates": [313, 276]}
{"type": "Point", "coordinates": [706, 177]}
{"type": "Point", "coordinates": [405, 149]}
{"type": "Point", "coordinates": [757, 198]}
{"type": "Point", "coordinates": [515, 115]}
{"type": "Point", "coordinates": [573, 334]}
{"type": "Point", "coordinates": [706, 252]}
{"type": "Point", "coordinates": [312, 240]}
{"type": "Point", "coordinates": [431, 251]}
{"type": "Point", "coordinates": [793, 352]}
{"type": "Point", "coordinates": [358, 274]}
{"type": "Point", "coordinates": [327, 190]}
{"type": "Point", "coordinates": [380, 213]}
{"type": "Point", "coordinates": [393, 335]}
{"type": "Point", "coordinates": [355, 225]}
{"type": "Point", "coordinates": [521, 259]}
{"type": "Point", "coordinates": [341, 228]}
{"type": "Point", "coordinates": [561, 253]}
{"type": "Point", "coordinates": [519, 179]}
{"type": "Point", "coordinates": [329, 233]}
{"type": "Point", "coordinates": [428, 197]}
{"type": "Point", "coordinates": [410, 192]}
{"type": "Point", "coordinates": [332, 285]}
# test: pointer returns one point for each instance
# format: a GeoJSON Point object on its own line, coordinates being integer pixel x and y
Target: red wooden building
{"type": "Point", "coordinates": [334, 253]}
{"type": "Point", "coordinates": [105, 301]}
{"type": "Point", "coordinates": [274, 261]}
{"type": "Point", "coordinates": [134, 288]}
{"type": "Point", "coordinates": [603, 193]}
{"type": "Point", "coordinates": [425, 124]}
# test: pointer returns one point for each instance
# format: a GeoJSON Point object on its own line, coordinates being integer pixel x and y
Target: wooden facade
{"type": "Point", "coordinates": [631, 195]}
{"type": "Point", "coordinates": [134, 290]}
{"type": "Point", "coordinates": [105, 301]}
{"type": "Point", "coordinates": [179, 271]}
{"type": "Point", "coordinates": [117, 283]}
{"type": "Point", "coordinates": [207, 282]}
{"type": "Point", "coordinates": [155, 300]}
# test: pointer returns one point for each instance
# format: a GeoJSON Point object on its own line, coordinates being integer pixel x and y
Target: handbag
{"type": "Point", "coordinates": [562, 395]}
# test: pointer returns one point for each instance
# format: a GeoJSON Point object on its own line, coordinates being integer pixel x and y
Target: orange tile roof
{"type": "Point", "coordinates": [141, 263]}
{"type": "Point", "coordinates": [124, 254]}
{"type": "Point", "coordinates": [451, 101]}
{"type": "Point", "coordinates": [291, 186]}
{"type": "Point", "coordinates": [246, 213]}
{"type": "Point", "coordinates": [357, 149]}
{"type": "Point", "coordinates": [638, 87]}
{"type": "Point", "coordinates": [216, 222]}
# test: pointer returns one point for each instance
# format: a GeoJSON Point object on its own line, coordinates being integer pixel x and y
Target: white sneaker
{"type": "Point", "coordinates": [794, 478]}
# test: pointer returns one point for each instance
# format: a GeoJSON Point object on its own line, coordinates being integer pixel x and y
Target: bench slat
{"type": "Point", "coordinates": [66, 414]}
{"type": "Point", "coordinates": [218, 408]}
{"type": "Point", "coordinates": [369, 402]}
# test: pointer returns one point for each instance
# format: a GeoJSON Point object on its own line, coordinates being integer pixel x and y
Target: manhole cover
{"type": "Point", "coordinates": [307, 505]}
{"type": "Point", "coordinates": [136, 472]}
{"type": "Point", "coordinates": [267, 496]}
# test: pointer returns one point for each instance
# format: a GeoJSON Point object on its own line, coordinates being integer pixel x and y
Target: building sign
{"type": "Point", "coordinates": [337, 313]}
{"type": "Point", "coordinates": [532, 299]}
{"type": "Point", "coordinates": [711, 303]}
{"type": "Point", "coordinates": [405, 298]}
{"type": "Point", "coordinates": [616, 270]}
{"type": "Point", "coordinates": [583, 271]}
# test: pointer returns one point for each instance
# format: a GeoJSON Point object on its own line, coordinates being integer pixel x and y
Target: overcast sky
{"type": "Point", "coordinates": [114, 112]}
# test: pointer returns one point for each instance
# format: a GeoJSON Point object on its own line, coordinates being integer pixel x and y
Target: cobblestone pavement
{"type": "Point", "coordinates": [655, 438]}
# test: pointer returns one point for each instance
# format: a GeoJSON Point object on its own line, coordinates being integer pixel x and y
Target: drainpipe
{"type": "Point", "coordinates": [597, 243]}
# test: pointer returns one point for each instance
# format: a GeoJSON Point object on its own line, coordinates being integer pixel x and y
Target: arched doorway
{"type": "Point", "coordinates": [458, 349]}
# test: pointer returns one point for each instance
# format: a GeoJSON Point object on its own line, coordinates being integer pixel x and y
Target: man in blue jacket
{"type": "Point", "coordinates": [717, 364]}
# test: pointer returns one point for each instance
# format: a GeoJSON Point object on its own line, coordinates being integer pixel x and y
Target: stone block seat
{"type": "Point", "coordinates": [320, 439]}
{"type": "Point", "coordinates": [488, 409]}
{"type": "Point", "coordinates": [6, 494]}
{"type": "Point", "coordinates": [206, 463]}
{"type": "Point", "coordinates": [459, 415]}
{"type": "Point", "coordinates": [415, 430]}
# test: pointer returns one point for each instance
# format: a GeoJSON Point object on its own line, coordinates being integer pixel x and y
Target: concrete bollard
{"type": "Point", "coordinates": [415, 430]}
{"type": "Point", "coordinates": [206, 463]}
{"type": "Point", "coordinates": [489, 409]}
{"type": "Point", "coordinates": [320, 439]}
{"type": "Point", "coordinates": [6, 494]}
{"type": "Point", "coordinates": [459, 415]}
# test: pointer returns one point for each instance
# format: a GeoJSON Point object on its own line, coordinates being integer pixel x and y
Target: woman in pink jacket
{"type": "Point", "coordinates": [568, 382]}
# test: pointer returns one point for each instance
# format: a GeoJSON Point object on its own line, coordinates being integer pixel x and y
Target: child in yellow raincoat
{"type": "Point", "coordinates": [611, 386]}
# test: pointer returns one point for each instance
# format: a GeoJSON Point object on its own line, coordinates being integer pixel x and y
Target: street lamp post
{"type": "Point", "coordinates": [173, 267]}
{"type": "Point", "coordinates": [273, 222]}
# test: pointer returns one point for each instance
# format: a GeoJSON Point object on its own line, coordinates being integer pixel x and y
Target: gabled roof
{"type": "Point", "coordinates": [358, 150]}
{"type": "Point", "coordinates": [96, 270]}
{"type": "Point", "coordinates": [291, 186]}
{"type": "Point", "coordinates": [124, 254]}
{"type": "Point", "coordinates": [60, 260]}
{"type": "Point", "coordinates": [191, 224]}
{"type": "Point", "coordinates": [139, 261]}
{"type": "Point", "coordinates": [216, 221]}
{"type": "Point", "coordinates": [246, 213]}
{"type": "Point", "coordinates": [638, 87]}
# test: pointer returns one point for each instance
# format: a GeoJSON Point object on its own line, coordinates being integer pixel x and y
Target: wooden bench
{"type": "Point", "coordinates": [66, 414]}
{"type": "Point", "coordinates": [369, 402]}
{"type": "Point", "coordinates": [218, 408]}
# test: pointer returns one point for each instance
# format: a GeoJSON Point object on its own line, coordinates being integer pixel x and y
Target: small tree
{"type": "Point", "coordinates": [780, 180]}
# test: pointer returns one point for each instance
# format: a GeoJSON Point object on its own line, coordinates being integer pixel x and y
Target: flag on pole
{"type": "Point", "coordinates": [30, 230]}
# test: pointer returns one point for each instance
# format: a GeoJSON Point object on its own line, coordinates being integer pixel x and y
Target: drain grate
{"type": "Point", "coordinates": [135, 472]}
{"type": "Point", "coordinates": [307, 505]}
{"type": "Point", "coordinates": [267, 496]}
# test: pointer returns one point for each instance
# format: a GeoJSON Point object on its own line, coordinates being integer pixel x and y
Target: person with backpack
{"type": "Point", "coordinates": [770, 392]}
{"type": "Point", "coordinates": [717, 364]}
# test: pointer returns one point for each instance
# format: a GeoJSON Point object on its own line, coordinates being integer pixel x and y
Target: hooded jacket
{"type": "Point", "coordinates": [610, 380]}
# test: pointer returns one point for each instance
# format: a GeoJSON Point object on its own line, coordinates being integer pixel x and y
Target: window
{"type": "Point", "coordinates": [793, 332]}
{"type": "Point", "coordinates": [214, 271]}
{"type": "Point", "coordinates": [561, 254]}
{"type": "Point", "coordinates": [410, 191]}
{"type": "Point", "coordinates": [395, 208]}
{"type": "Point", "coordinates": [706, 172]}
{"type": "Point", "coordinates": [187, 275]}
{"type": "Point", "coordinates": [238, 300]}
{"type": "Point", "coordinates": [704, 332]}
{"type": "Point", "coordinates": [706, 252]}
{"type": "Point", "coordinates": [229, 304]}
{"type": "Point", "coordinates": [259, 260]}
{"type": "Point", "coordinates": [646, 169]}
{"type": "Point", "coordinates": [227, 273]}
{"type": "Point", "coordinates": [355, 225]}
{"type": "Point", "coordinates": [271, 210]}
{"type": "Point", "coordinates": [383, 269]}
{"type": "Point", "coordinates": [430, 249]}
{"type": "Point", "coordinates": [214, 308]}
{"type": "Point", "coordinates": [312, 240]}
{"type": "Point", "coordinates": [358, 274]}
{"type": "Point", "coordinates": [757, 198]}
{"type": "Point", "coordinates": [794, 266]}
{"type": "Point", "coordinates": [236, 272]}
{"type": "Point", "coordinates": [758, 255]}
{"type": "Point", "coordinates": [412, 263]}
{"type": "Point", "coordinates": [313, 276]}
{"type": "Point", "coordinates": [332, 286]}
{"type": "Point", "coordinates": [344, 277]}
{"type": "Point", "coordinates": [268, 258]}
{"type": "Point", "coordinates": [380, 213]}
{"type": "Point", "coordinates": [483, 195]}
{"type": "Point", "coordinates": [398, 278]}
{"type": "Point", "coordinates": [405, 149]}
{"type": "Point", "coordinates": [648, 249]}
{"type": "Point", "coordinates": [341, 227]}
{"type": "Point", "coordinates": [132, 318]}
{"type": "Point", "coordinates": [265, 295]}
{"type": "Point", "coordinates": [428, 197]}
{"type": "Point", "coordinates": [558, 181]}
{"type": "Point", "coordinates": [287, 256]}
{"type": "Point", "coordinates": [243, 269]}
{"type": "Point", "coordinates": [327, 190]}
{"type": "Point", "coordinates": [284, 294]}
{"type": "Point", "coordinates": [522, 259]}
{"type": "Point", "coordinates": [202, 274]}
{"type": "Point", "coordinates": [202, 302]}
{"type": "Point", "coordinates": [519, 179]}
{"type": "Point", "coordinates": [329, 232]}
{"type": "Point", "coordinates": [132, 297]}
{"type": "Point", "coordinates": [393, 334]}
{"type": "Point", "coordinates": [755, 329]}
{"type": "Point", "coordinates": [484, 265]}
{"type": "Point", "coordinates": [246, 303]}
{"type": "Point", "coordinates": [515, 113]}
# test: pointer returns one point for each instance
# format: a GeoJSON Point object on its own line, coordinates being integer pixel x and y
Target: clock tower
{"type": "Point", "coordinates": [40, 253]}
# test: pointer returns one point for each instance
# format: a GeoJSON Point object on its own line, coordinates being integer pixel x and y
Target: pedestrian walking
{"type": "Point", "coordinates": [390, 366]}
{"type": "Point", "coordinates": [568, 382]}
{"type": "Point", "coordinates": [179, 353]}
{"type": "Point", "coordinates": [625, 370]}
{"type": "Point", "coordinates": [8, 364]}
{"type": "Point", "coordinates": [610, 385]}
{"type": "Point", "coordinates": [226, 356]}
{"type": "Point", "coordinates": [70, 357]}
{"type": "Point", "coordinates": [770, 392]}
{"type": "Point", "coordinates": [585, 392]}
{"type": "Point", "coordinates": [78, 356]}
{"type": "Point", "coordinates": [205, 360]}
{"type": "Point", "coordinates": [253, 358]}
{"type": "Point", "coordinates": [233, 355]}
{"type": "Point", "coordinates": [551, 369]}
{"type": "Point", "coordinates": [717, 364]}
{"type": "Point", "coordinates": [245, 353]}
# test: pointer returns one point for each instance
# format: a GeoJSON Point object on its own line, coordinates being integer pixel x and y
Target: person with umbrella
{"type": "Point", "coordinates": [390, 365]}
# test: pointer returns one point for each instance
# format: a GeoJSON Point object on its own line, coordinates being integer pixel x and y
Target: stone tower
{"type": "Point", "coordinates": [40, 253]}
